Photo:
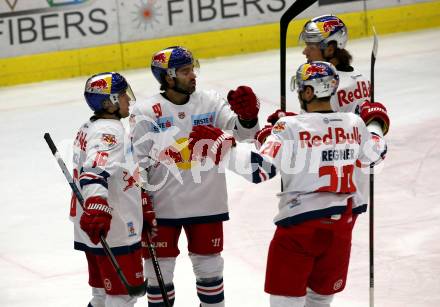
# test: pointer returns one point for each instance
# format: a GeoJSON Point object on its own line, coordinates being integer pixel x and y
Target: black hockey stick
{"type": "Point", "coordinates": [132, 290]}
{"type": "Point", "coordinates": [373, 62]}
{"type": "Point", "coordinates": [294, 10]}
{"type": "Point", "coordinates": [158, 272]}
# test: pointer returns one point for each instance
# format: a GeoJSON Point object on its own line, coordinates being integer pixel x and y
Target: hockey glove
{"type": "Point", "coordinates": [375, 111]}
{"type": "Point", "coordinates": [244, 103]}
{"type": "Point", "coordinates": [275, 116]}
{"type": "Point", "coordinates": [96, 218]}
{"type": "Point", "coordinates": [380, 146]}
{"type": "Point", "coordinates": [261, 135]}
{"type": "Point", "coordinates": [150, 223]}
{"type": "Point", "coordinates": [210, 141]}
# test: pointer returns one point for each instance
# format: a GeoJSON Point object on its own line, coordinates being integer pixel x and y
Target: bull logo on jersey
{"type": "Point", "coordinates": [279, 127]}
{"type": "Point", "coordinates": [130, 180]}
{"type": "Point", "coordinates": [109, 139]}
{"type": "Point", "coordinates": [178, 153]}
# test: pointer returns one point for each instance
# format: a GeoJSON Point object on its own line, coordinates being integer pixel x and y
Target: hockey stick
{"type": "Point", "coordinates": [132, 290]}
{"type": "Point", "coordinates": [373, 62]}
{"type": "Point", "coordinates": [294, 10]}
{"type": "Point", "coordinates": [158, 272]}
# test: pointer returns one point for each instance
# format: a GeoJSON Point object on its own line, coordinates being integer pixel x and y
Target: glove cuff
{"type": "Point", "coordinates": [97, 203]}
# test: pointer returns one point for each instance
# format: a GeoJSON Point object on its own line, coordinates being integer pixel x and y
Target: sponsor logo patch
{"type": "Point", "coordinates": [131, 230]}
{"type": "Point", "coordinates": [162, 124]}
{"type": "Point", "coordinates": [203, 119]}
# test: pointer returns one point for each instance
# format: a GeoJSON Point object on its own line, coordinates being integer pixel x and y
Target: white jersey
{"type": "Point", "coordinates": [183, 191]}
{"type": "Point", "coordinates": [102, 167]}
{"type": "Point", "coordinates": [352, 91]}
{"type": "Point", "coordinates": [316, 154]}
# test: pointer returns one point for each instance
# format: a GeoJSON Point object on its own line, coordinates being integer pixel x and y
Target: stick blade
{"type": "Point", "coordinates": [375, 42]}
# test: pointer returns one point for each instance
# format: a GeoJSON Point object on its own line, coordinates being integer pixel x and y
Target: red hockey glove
{"type": "Point", "coordinates": [261, 135]}
{"type": "Point", "coordinates": [150, 223]}
{"type": "Point", "coordinates": [275, 116]}
{"type": "Point", "coordinates": [375, 111]}
{"type": "Point", "coordinates": [96, 218]}
{"type": "Point", "coordinates": [213, 142]}
{"type": "Point", "coordinates": [244, 103]}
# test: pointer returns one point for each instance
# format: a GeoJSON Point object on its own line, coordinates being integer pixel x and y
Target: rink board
{"type": "Point", "coordinates": [132, 55]}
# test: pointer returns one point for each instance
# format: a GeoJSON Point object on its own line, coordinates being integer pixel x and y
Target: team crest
{"type": "Point", "coordinates": [181, 115]}
{"type": "Point", "coordinates": [109, 139]}
{"type": "Point", "coordinates": [279, 127]}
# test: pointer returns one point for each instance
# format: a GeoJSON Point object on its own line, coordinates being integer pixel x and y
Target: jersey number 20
{"type": "Point", "coordinates": [344, 182]}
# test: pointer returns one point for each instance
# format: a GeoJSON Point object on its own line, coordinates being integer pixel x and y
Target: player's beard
{"type": "Point", "coordinates": [185, 89]}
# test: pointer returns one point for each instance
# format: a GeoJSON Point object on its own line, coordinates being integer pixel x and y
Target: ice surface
{"type": "Point", "coordinates": [38, 266]}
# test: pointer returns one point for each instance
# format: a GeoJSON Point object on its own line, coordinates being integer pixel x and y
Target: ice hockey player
{"type": "Point", "coordinates": [316, 153]}
{"type": "Point", "coordinates": [187, 195]}
{"type": "Point", "coordinates": [325, 38]}
{"type": "Point", "coordinates": [113, 205]}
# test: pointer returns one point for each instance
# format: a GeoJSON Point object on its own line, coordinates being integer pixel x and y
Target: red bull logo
{"type": "Point", "coordinates": [177, 154]}
{"type": "Point", "coordinates": [160, 59]}
{"type": "Point", "coordinates": [331, 25]}
{"type": "Point", "coordinates": [171, 155]}
{"type": "Point", "coordinates": [314, 69]}
{"type": "Point", "coordinates": [99, 84]}
{"type": "Point", "coordinates": [129, 180]}
{"type": "Point", "coordinates": [109, 139]}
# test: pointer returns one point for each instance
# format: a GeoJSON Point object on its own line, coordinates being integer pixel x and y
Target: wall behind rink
{"type": "Point", "coordinates": [54, 39]}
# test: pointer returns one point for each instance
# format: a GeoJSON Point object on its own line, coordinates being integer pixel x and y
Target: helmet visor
{"type": "Point", "coordinates": [130, 94]}
{"type": "Point", "coordinates": [293, 83]}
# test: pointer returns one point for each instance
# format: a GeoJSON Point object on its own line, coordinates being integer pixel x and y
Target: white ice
{"type": "Point", "coordinates": [38, 266]}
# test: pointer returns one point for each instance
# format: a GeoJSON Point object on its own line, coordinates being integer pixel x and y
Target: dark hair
{"type": "Point", "coordinates": [342, 55]}
{"type": "Point", "coordinates": [163, 87]}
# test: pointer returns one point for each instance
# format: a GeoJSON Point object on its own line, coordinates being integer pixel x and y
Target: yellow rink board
{"type": "Point", "coordinates": [86, 61]}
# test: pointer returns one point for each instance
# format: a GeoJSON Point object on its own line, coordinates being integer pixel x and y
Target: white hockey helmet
{"type": "Point", "coordinates": [323, 30]}
{"type": "Point", "coordinates": [321, 76]}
